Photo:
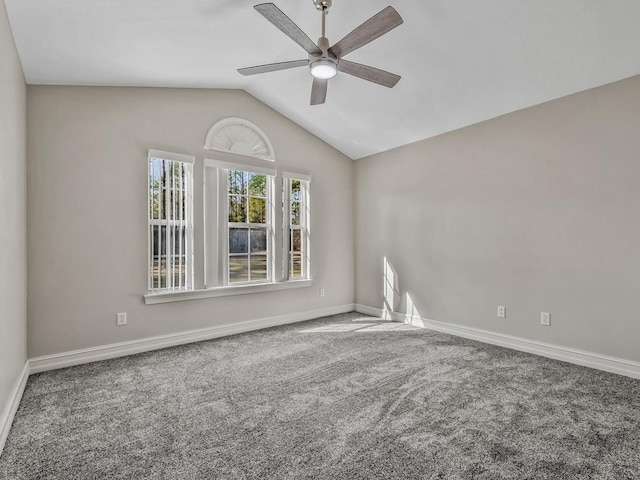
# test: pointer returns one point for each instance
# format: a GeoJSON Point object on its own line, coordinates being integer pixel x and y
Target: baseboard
{"type": "Point", "coordinates": [104, 352]}
{"type": "Point", "coordinates": [557, 352]}
{"type": "Point", "coordinates": [7, 414]}
{"type": "Point", "coordinates": [367, 310]}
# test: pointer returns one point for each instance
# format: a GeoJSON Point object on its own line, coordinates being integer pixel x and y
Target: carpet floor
{"type": "Point", "coordinates": [343, 397]}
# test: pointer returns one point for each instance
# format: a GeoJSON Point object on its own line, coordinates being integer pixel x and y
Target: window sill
{"type": "Point", "coordinates": [166, 297]}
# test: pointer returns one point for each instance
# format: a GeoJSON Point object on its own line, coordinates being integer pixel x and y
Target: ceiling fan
{"type": "Point", "coordinates": [325, 60]}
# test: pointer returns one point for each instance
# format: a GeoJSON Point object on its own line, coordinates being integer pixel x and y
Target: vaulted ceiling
{"type": "Point", "coordinates": [461, 61]}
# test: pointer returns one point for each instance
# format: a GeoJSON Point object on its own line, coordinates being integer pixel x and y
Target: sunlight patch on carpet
{"type": "Point", "coordinates": [337, 328]}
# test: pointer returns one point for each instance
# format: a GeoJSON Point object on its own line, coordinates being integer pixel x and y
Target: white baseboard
{"type": "Point", "coordinates": [367, 310]}
{"type": "Point", "coordinates": [7, 414]}
{"type": "Point", "coordinates": [571, 355]}
{"type": "Point", "coordinates": [104, 352]}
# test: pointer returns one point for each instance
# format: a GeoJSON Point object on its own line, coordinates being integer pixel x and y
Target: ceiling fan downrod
{"type": "Point", "coordinates": [323, 6]}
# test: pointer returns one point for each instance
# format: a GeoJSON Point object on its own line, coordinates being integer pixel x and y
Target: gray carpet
{"type": "Point", "coordinates": [344, 397]}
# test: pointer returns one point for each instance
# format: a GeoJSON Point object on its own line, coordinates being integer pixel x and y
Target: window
{"type": "Point", "coordinates": [296, 221]}
{"type": "Point", "coordinates": [239, 218]}
{"type": "Point", "coordinates": [248, 226]}
{"type": "Point", "coordinates": [240, 246]}
{"type": "Point", "coordinates": [170, 221]}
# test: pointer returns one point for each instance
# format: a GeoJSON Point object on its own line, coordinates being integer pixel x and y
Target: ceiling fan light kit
{"type": "Point", "coordinates": [323, 68]}
{"type": "Point", "coordinates": [325, 61]}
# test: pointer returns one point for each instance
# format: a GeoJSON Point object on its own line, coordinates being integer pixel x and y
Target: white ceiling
{"type": "Point", "coordinates": [461, 61]}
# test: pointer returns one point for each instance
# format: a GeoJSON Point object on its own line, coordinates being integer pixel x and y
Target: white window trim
{"type": "Point", "coordinates": [306, 231]}
{"type": "Point", "coordinates": [229, 290]}
{"type": "Point", "coordinates": [176, 157]}
{"type": "Point", "coordinates": [297, 176]}
{"type": "Point", "coordinates": [222, 224]}
{"type": "Point", "coordinates": [188, 221]}
{"type": "Point", "coordinates": [251, 166]}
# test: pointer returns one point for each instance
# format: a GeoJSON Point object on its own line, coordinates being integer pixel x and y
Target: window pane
{"type": "Point", "coordinates": [237, 181]}
{"type": "Point", "coordinates": [257, 210]}
{"type": "Point", "coordinates": [155, 272]}
{"type": "Point", "coordinates": [296, 241]}
{"type": "Point", "coordinates": [238, 268]}
{"type": "Point", "coordinates": [165, 183]}
{"type": "Point", "coordinates": [162, 272]}
{"type": "Point", "coordinates": [232, 185]}
{"type": "Point", "coordinates": [257, 185]}
{"type": "Point", "coordinates": [154, 190]}
{"type": "Point", "coordinates": [295, 213]}
{"type": "Point", "coordinates": [296, 192]}
{"type": "Point", "coordinates": [179, 272]}
{"type": "Point", "coordinates": [154, 241]}
{"type": "Point", "coordinates": [179, 258]}
{"type": "Point", "coordinates": [296, 265]}
{"type": "Point", "coordinates": [182, 187]}
{"type": "Point", "coordinates": [258, 267]}
{"type": "Point", "coordinates": [238, 240]}
{"type": "Point", "coordinates": [259, 240]}
{"type": "Point", "coordinates": [177, 233]}
{"type": "Point", "coordinates": [237, 209]}
{"type": "Point", "coordinates": [169, 204]}
{"type": "Point", "coordinates": [159, 240]}
{"type": "Point", "coordinates": [248, 204]}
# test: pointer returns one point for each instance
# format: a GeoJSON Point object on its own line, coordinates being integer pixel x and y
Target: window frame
{"type": "Point", "coordinates": [186, 222]}
{"type": "Point", "coordinates": [303, 226]}
{"type": "Point", "coordinates": [213, 197]}
{"type": "Point", "coordinates": [216, 258]}
{"type": "Point", "coordinates": [226, 255]}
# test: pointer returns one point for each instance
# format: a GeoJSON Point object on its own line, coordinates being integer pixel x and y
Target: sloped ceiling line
{"type": "Point", "coordinates": [461, 62]}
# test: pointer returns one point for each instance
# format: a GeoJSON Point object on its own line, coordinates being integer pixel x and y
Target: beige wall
{"type": "Point", "coordinates": [536, 210]}
{"type": "Point", "coordinates": [87, 237]}
{"type": "Point", "coordinates": [13, 261]}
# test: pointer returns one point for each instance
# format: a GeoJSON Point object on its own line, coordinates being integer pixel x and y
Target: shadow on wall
{"type": "Point", "coordinates": [392, 304]}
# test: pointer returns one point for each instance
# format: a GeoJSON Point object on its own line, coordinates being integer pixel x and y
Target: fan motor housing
{"type": "Point", "coordinates": [323, 45]}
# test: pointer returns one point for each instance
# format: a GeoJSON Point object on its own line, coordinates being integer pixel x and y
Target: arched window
{"type": "Point", "coordinates": [239, 136]}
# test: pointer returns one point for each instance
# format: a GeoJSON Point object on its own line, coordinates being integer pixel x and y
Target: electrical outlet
{"type": "Point", "coordinates": [545, 318]}
{"type": "Point", "coordinates": [502, 311]}
{"type": "Point", "coordinates": [121, 318]}
{"type": "Point", "coordinates": [322, 292]}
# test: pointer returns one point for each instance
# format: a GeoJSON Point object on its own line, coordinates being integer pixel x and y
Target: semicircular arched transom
{"type": "Point", "coordinates": [237, 135]}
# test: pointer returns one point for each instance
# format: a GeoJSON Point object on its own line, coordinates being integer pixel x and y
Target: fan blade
{"type": "Point", "coordinates": [381, 23]}
{"type": "Point", "coordinates": [318, 91]}
{"type": "Point", "coordinates": [371, 74]}
{"type": "Point", "coordinates": [286, 26]}
{"type": "Point", "coordinates": [273, 67]}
